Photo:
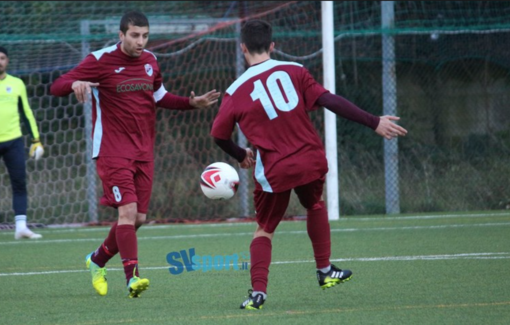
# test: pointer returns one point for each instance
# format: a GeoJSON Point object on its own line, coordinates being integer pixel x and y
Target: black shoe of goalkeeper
{"type": "Point", "coordinates": [333, 277]}
{"type": "Point", "coordinates": [253, 302]}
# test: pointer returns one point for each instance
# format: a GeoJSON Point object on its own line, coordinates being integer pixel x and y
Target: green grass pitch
{"type": "Point", "coordinates": [409, 269]}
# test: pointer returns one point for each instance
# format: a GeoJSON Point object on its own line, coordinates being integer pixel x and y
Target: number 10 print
{"type": "Point", "coordinates": [260, 93]}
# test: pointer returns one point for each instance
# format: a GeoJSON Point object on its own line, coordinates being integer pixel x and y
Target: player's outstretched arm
{"type": "Point", "coordinates": [384, 125]}
{"type": "Point", "coordinates": [388, 129]}
{"type": "Point", "coordinates": [344, 108]}
{"type": "Point", "coordinates": [205, 100]}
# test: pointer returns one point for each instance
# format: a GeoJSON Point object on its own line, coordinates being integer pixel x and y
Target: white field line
{"type": "Point", "coordinates": [490, 256]}
{"type": "Point", "coordinates": [439, 216]}
{"type": "Point", "coordinates": [84, 228]}
{"type": "Point", "coordinates": [223, 234]}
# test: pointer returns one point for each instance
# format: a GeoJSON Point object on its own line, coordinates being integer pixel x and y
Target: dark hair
{"type": "Point", "coordinates": [4, 51]}
{"type": "Point", "coordinates": [257, 35]}
{"type": "Point", "coordinates": [135, 18]}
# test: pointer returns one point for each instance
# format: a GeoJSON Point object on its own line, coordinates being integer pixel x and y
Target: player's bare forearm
{"type": "Point", "coordinates": [248, 161]}
{"type": "Point", "coordinates": [82, 89]}
{"type": "Point", "coordinates": [203, 101]}
{"type": "Point", "coordinates": [388, 129]}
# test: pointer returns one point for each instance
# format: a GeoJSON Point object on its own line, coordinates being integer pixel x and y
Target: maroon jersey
{"type": "Point", "coordinates": [123, 105]}
{"type": "Point", "coordinates": [270, 102]}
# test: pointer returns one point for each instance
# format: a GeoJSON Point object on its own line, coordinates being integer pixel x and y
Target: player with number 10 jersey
{"type": "Point", "coordinates": [271, 102]}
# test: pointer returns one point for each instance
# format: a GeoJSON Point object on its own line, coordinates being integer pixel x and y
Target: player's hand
{"type": "Point", "coordinates": [205, 100]}
{"type": "Point", "coordinates": [248, 161]}
{"type": "Point", "coordinates": [82, 89]}
{"type": "Point", "coordinates": [388, 129]}
{"type": "Point", "coordinates": [36, 149]}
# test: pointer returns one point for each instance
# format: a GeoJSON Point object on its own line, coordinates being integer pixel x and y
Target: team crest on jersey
{"type": "Point", "coordinates": [148, 69]}
{"type": "Point", "coordinates": [8, 89]}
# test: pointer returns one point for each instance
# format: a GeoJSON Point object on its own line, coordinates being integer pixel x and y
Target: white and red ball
{"type": "Point", "coordinates": [219, 181]}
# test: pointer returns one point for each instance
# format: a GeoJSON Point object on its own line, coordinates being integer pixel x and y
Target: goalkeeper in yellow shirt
{"type": "Point", "coordinates": [13, 108]}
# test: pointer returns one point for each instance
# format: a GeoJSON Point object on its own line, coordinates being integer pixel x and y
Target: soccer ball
{"type": "Point", "coordinates": [219, 181]}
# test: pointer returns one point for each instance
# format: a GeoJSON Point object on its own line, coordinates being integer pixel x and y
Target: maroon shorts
{"type": "Point", "coordinates": [125, 181]}
{"type": "Point", "coordinates": [270, 207]}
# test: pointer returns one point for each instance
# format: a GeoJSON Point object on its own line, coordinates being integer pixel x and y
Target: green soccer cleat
{"type": "Point", "coordinates": [98, 276]}
{"type": "Point", "coordinates": [136, 286]}
{"type": "Point", "coordinates": [253, 303]}
{"type": "Point", "coordinates": [333, 277]}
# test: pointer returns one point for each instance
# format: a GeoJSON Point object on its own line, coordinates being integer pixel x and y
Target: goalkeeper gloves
{"type": "Point", "coordinates": [36, 149]}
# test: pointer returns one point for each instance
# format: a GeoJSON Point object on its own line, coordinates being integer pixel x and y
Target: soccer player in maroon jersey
{"type": "Point", "coordinates": [270, 103]}
{"type": "Point", "coordinates": [126, 86]}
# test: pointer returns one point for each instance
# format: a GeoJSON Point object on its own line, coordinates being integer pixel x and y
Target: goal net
{"type": "Point", "coordinates": [451, 92]}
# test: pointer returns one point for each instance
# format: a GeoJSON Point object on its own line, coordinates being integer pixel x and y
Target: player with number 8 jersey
{"type": "Point", "coordinates": [126, 85]}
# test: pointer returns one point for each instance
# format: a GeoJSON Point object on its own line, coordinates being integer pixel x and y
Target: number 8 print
{"type": "Point", "coordinates": [259, 93]}
{"type": "Point", "coordinates": [116, 193]}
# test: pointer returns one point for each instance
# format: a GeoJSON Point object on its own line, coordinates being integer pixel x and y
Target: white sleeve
{"type": "Point", "coordinates": [159, 93]}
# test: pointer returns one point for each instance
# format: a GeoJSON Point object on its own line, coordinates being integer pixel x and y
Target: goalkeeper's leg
{"type": "Point", "coordinates": [14, 157]}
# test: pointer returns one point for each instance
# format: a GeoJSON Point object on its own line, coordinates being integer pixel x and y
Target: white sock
{"type": "Point", "coordinates": [21, 222]}
{"type": "Point", "coordinates": [254, 293]}
{"type": "Point", "coordinates": [325, 269]}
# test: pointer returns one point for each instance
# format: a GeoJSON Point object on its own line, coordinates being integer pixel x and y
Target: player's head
{"type": "Point", "coordinates": [257, 35]}
{"type": "Point", "coordinates": [4, 60]}
{"type": "Point", "coordinates": [134, 33]}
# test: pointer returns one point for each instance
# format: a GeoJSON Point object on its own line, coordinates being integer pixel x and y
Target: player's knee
{"type": "Point", "coordinates": [140, 220]}
{"type": "Point", "coordinates": [316, 206]}
{"type": "Point", "coordinates": [260, 232]}
{"type": "Point", "coordinates": [128, 214]}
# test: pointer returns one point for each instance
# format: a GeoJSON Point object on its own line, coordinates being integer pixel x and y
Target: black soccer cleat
{"type": "Point", "coordinates": [253, 303]}
{"type": "Point", "coordinates": [333, 277]}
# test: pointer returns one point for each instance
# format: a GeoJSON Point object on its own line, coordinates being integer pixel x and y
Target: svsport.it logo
{"type": "Point", "coordinates": [190, 261]}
